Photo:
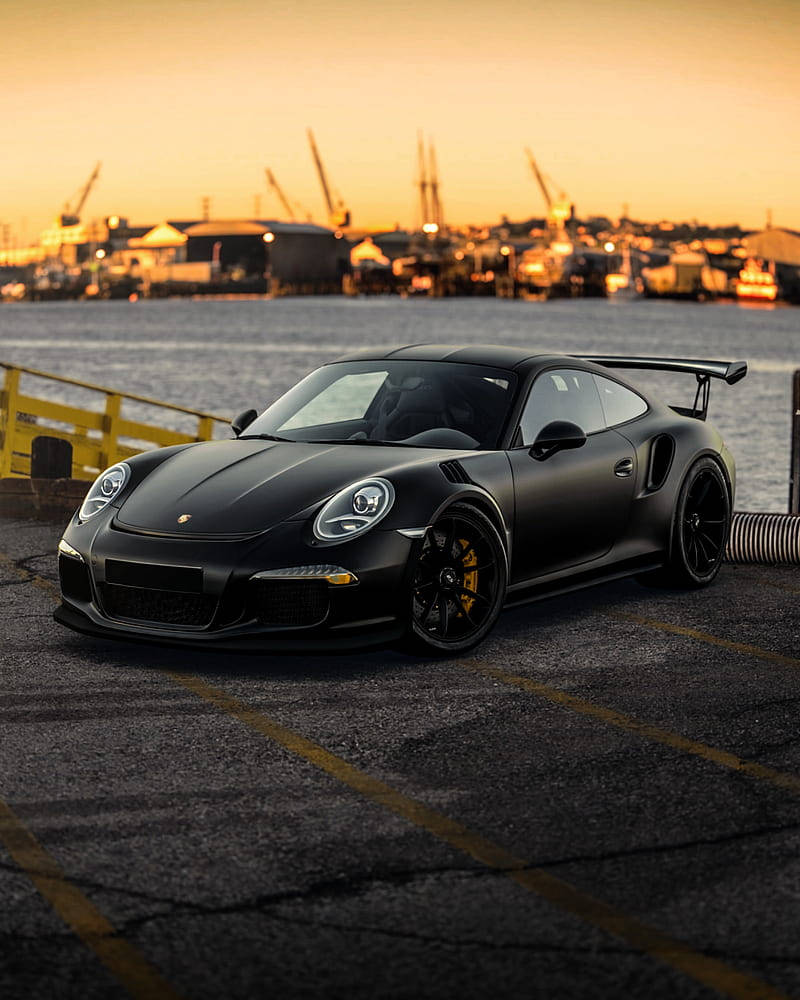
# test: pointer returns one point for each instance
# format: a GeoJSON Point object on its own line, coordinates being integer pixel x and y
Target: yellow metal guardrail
{"type": "Point", "coordinates": [99, 437]}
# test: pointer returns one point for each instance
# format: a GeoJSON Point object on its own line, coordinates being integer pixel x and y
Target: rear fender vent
{"type": "Point", "coordinates": [455, 472]}
{"type": "Point", "coordinates": [662, 451]}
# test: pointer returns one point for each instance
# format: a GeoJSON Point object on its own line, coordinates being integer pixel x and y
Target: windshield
{"type": "Point", "coordinates": [427, 404]}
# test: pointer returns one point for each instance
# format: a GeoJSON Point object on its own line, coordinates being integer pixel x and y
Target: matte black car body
{"type": "Point", "coordinates": [565, 522]}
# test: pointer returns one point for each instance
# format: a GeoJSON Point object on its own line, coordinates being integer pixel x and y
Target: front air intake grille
{"type": "Point", "coordinates": [74, 578]}
{"type": "Point", "coordinates": [163, 607]}
{"type": "Point", "coordinates": [455, 472]}
{"type": "Point", "coordinates": [288, 603]}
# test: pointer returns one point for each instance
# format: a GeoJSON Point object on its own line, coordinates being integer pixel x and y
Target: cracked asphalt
{"type": "Point", "coordinates": [240, 868]}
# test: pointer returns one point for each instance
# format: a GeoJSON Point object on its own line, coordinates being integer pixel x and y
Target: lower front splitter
{"type": "Point", "coordinates": [374, 637]}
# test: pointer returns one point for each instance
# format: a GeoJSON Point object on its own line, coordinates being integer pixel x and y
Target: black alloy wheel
{"type": "Point", "coordinates": [459, 582]}
{"type": "Point", "coordinates": [700, 530]}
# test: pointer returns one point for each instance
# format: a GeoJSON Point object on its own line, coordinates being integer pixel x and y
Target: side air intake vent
{"type": "Point", "coordinates": [662, 451]}
{"type": "Point", "coordinates": [455, 472]}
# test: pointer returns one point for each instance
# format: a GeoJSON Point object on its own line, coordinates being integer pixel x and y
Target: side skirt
{"type": "Point", "coordinates": [527, 593]}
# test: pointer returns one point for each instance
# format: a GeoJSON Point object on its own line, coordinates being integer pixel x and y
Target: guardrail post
{"type": "Point", "coordinates": [205, 429]}
{"type": "Point", "coordinates": [108, 454]}
{"type": "Point", "coordinates": [8, 419]}
{"type": "Point", "coordinates": [794, 466]}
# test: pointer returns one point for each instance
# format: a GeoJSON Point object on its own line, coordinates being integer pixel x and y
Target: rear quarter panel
{"type": "Point", "coordinates": [650, 524]}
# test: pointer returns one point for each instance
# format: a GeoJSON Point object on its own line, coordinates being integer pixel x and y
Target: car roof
{"type": "Point", "coordinates": [492, 355]}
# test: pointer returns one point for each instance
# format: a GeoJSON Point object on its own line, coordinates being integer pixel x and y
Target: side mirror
{"type": "Point", "coordinates": [243, 421]}
{"type": "Point", "coordinates": [558, 435]}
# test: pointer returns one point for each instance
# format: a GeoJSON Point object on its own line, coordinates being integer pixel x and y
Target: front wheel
{"type": "Point", "coordinates": [700, 530]}
{"type": "Point", "coordinates": [458, 584]}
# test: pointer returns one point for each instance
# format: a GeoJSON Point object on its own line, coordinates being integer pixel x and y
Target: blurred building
{"type": "Point", "coordinates": [243, 254]}
{"type": "Point", "coordinates": [779, 245]}
{"type": "Point", "coordinates": [780, 251]}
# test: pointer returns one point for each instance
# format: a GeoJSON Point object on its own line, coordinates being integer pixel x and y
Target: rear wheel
{"type": "Point", "coordinates": [700, 529]}
{"type": "Point", "coordinates": [458, 584]}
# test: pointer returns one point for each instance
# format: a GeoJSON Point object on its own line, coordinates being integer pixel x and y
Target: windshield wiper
{"type": "Point", "coordinates": [264, 437]}
{"type": "Point", "coordinates": [387, 444]}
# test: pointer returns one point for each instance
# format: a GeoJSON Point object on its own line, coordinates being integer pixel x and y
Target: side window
{"type": "Point", "coordinates": [619, 403]}
{"type": "Point", "coordinates": [347, 398]}
{"type": "Point", "coordinates": [562, 395]}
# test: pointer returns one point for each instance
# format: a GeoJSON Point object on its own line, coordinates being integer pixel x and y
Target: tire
{"type": "Point", "coordinates": [701, 526]}
{"type": "Point", "coordinates": [458, 583]}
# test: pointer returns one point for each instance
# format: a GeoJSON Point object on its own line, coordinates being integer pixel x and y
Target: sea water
{"type": "Point", "coordinates": [226, 356]}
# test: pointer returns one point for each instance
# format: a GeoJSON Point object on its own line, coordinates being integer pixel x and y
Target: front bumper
{"type": "Point", "coordinates": [199, 592]}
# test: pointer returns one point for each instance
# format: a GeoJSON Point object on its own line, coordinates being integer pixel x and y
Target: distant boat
{"type": "Point", "coordinates": [753, 283]}
{"type": "Point", "coordinates": [622, 284]}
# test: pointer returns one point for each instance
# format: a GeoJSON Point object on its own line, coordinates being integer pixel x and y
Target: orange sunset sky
{"type": "Point", "coordinates": [681, 110]}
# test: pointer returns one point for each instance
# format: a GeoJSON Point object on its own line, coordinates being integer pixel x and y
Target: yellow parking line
{"type": "Point", "coordinates": [124, 962]}
{"type": "Point", "coordinates": [781, 779]}
{"type": "Point", "coordinates": [692, 633]}
{"type": "Point", "coordinates": [704, 969]}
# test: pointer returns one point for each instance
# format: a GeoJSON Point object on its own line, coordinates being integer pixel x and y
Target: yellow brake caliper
{"type": "Point", "coordinates": [469, 560]}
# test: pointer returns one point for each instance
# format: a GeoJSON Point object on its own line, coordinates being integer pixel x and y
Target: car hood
{"type": "Point", "coordinates": [240, 487]}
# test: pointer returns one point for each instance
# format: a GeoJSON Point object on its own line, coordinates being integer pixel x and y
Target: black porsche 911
{"type": "Point", "coordinates": [405, 496]}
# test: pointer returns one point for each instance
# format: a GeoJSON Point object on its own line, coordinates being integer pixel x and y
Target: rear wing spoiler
{"type": "Point", "coordinates": [730, 371]}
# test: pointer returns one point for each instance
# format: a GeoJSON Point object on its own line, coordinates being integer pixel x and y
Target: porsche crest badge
{"type": "Point", "coordinates": [184, 518]}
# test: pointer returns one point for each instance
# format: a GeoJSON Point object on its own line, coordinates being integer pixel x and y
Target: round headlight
{"type": "Point", "coordinates": [105, 488]}
{"type": "Point", "coordinates": [354, 510]}
{"type": "Point", "coordinates": [368, 499]}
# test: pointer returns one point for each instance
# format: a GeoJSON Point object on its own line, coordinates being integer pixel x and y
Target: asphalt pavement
{"type": "Point", "coordinates": [601, 801]}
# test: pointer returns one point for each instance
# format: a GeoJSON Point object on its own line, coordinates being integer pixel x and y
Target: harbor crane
{"type": "Point", "coordinates": [275, 186]}
{"type": "Point", "coordinates": [540, 180]}
{"type": "Point", "coordinates": [72, 216]}
{"type": "Point", "coordinates": [428, 183]}
{"type": "Point", "coordinates": [338, 215]}
{"type": "Point", "coordinates": [423, 181]}
{"type": "Point", "coordinates": [559, 211]}
{"type": "Point", "coordinates": [436, 204]}
{"type": "Point", "coordinates": [290, 211]}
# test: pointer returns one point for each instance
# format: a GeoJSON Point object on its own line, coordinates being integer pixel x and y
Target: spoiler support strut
{"type": "Point", "coordinates": [730, 371]}
{"type": "Point", "coordinates": [701, 397]}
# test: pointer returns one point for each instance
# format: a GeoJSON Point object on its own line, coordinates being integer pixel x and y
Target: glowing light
{"type": "Point", "coordinates": [100, 254]}
{"type": "Point", "coordinates": [560, 211]}
{"type": "Point", "coordinates": [747, 291]}
{"type": "Point", "coordinates": [616, 281]}
{"type": "Point", "coordinates": [459, 254]}
{"type": "Point", "coordinates": [754, 283]}
{"type": "Point", "coordinates": [368, 251]}
{"type": "Point", "coordinates": [609, 247]}
{"type": "Point", "coordinates": [268, 237]}
{"type": "Point", "coordinates": [431, 228]}
{"type": "Point", "coordinates": [113, 222]}
{"type": "Point", "coordinates": [505, 251]}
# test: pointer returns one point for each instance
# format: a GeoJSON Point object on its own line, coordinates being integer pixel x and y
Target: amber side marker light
{"type": "Point", "coordinates": [335, 575]}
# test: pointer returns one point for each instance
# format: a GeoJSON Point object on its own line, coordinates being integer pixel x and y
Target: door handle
{"type": "Point", "coordinates": [623, 468]}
